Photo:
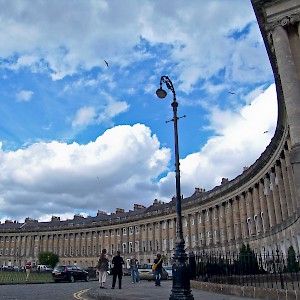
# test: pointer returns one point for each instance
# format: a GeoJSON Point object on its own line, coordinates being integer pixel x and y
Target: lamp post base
{"type": "Point", "coordinates": [181, 289]}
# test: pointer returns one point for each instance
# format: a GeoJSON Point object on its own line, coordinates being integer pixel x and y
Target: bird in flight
{"type": "Point", "coordinates": [106, 63]}
{"type": "Point", "coordinates": [232, 93]}
{"type": "Point", "coordinates": [266, 131]}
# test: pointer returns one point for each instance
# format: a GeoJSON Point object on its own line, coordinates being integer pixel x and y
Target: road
{"type": "Point", "coordinates": [46, 291]}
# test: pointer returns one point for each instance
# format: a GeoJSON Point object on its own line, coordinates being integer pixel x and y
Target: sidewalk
{"type": "Point", "coordinates": [147, 290]}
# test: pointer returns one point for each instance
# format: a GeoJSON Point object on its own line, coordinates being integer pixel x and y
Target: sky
{"type": "Point", "coordinates": [78, 135]}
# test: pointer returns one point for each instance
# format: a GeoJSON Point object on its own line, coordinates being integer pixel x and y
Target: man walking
{"type": "Point", "coordinates": [117, 269]}
{"type": "Point", "coordinates": [134, 264]}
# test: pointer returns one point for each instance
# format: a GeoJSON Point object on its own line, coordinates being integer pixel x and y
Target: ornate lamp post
{"type": "Point", "coordinates": [181, 278]}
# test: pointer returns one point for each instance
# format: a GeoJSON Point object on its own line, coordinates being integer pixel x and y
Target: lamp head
{"type": "Point", "coordinates": [161, 93]}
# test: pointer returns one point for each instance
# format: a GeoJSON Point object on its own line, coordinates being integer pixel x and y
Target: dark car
{"type": "Point", "coordinates": [69, 273]}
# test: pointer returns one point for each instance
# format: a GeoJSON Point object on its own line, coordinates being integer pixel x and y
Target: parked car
{"type": "Point", "coordinates": [44, 268]}
{"type": "Point", "coordinates": [146, 273]}
{"type": "Point", "coordinates": [69, 273]}
{"type": "Point", "coordinates": [169, 270]}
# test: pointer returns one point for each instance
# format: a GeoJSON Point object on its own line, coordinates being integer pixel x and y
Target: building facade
{"type": "Point", "coordinates": [260, 207]}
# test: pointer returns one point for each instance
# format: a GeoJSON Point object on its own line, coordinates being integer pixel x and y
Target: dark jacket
{"type": "Point", "coordinates": [118, 263]}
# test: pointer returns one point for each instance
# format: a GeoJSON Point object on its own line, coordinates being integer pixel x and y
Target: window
{"type": "Point", "coordinates": [207, 215]}
{"type": "Point", "coordinates": [171, 224]}
{"type": "Point", "coordinates": [106, 233]}
{"type": "Point", "coordinates": [118, 232]}
{"type": "Point", "coordinates": [150, 245]}
{"type": "Point", "coordinates": [124, 247]}
{"type": "Point", "coordinates": [144, 246]}
{"type": "Point", "coordinates": [164, 245]}
{"type": "Point", "coordinates": [185, 223]}
{"type": "Point", "coordinates": [164, 225]}
{"type": "Point", "coordinates": [150, 228]}
{"type": "Point", "coordinates": [137, 229]}
{"type": "Point", "coordinates": [130, 247]}
{"type": "Point", "coordinates": [130, 230]}
{"type": "Point", "coordinates": [112, 232]}
{"type": "Point", "coordinates": [193, 240]}
{"type": "Point", "coordinates": [171, 243]}
{"type": "Point", "coordinates": [200, 218]}
{"type": "Point", "coordinates": [124, 231]}
{"type": "Point", "coordinates": [193, 221]}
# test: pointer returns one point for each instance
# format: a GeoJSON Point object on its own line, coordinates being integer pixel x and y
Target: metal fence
{"type": "Point", "coordinates": [266, 270]}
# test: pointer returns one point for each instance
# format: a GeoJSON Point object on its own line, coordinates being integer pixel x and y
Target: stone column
{"type": "Point", "coordinates": [189, 244]}
{"type": "Point", "coordinates": [276, 198]}
{"type": "Point", "coordinates": [203, 229]}
{"type": "Point", "coordinates": [215, 225]}
{"type": "Point", "coordinates": [257, 209]}
{"type": "Point", "coordinates": [286, 185]}
{"type": "Point", "coordinates": [250, 211]}
{"type": "Point", "coordinates": [167, 236]}
{"type": "Point", "coordinates": [290, 178]}
{"type": "Point", "coordinates": [196, 231]}
{"type": "Point", "coordinates": [281, 191]}
{"type": "Point", "coordinates": [263, 205]}
{"type": "Point", "coordinates": [270, 201]}
{"type": "Point", "coordinates": [243, 210]}
{"type": "Point", "coordinates": [237, 219]}
{"type": "Point", "coordinates": [222, 224]}
{"type": "Point", "coordinates": [291, 91]}
{"type": "Point", "coordinates": [147, 238]}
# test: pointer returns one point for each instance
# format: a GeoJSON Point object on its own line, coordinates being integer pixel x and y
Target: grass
{"type": "Point", "coordinates": [10, 276]}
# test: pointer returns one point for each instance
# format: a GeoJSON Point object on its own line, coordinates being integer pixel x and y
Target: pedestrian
{"type": "Point", "coordinates": [157, 267]}
{"type": "Point", "coordinates": [28, 269]}
{"type": "Point", "coordinates": [134, 264]}
{"type": "Point", "coordinates": [102, 268]}
{"type": "Point", "coordinates": [117, 269]}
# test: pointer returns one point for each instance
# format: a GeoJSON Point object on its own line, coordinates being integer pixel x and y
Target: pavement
{"type": "Point", "coordinates": [148, 290]}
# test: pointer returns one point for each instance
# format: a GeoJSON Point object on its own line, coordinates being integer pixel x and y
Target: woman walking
{"type": "Point", "coordinates": [102, 269]}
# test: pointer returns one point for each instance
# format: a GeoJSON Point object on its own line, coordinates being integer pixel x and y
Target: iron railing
{"type": "Point", "coordinates": [265, 270]}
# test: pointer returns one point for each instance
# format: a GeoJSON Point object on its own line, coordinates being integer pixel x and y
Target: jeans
{"type": "Point", "coordinates": [158, 274]}
{"type": "Point", "coordinates": [135, 275]}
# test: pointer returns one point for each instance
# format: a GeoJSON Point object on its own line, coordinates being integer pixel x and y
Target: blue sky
{"type": "Point", "coordinates": [77, 135]}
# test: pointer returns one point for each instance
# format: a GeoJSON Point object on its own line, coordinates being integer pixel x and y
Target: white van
{"type": "Point", "coordinates": [44, 268]}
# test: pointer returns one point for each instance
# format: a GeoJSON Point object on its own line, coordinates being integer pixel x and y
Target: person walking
{"type": "Point", "coordinates": [117, 269]}
{"type": "Point", "coordinates": [134, 264]}
{"type": "Point", "coordinates": [28, 269]}
{"type": "Point", "coordinates": [158, 269]}
{"type": "Point", "coordinates": [102, 268]}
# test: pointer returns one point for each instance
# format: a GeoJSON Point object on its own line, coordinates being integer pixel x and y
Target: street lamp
{"type": "Point", "coordinates": [181, 277]}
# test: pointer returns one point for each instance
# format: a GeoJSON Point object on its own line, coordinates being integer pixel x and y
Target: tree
{"type": "Point", "coordinates": [48, 258]}
{"type": "Point", "coordinates": [292, 263]}
{"type": "Point", "coordinates": [247, 262]}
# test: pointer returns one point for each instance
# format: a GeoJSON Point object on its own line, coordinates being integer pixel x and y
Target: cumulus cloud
{"type": "Point", "coordinates": [240, 137]}
{"type": "Point", "coordinates": [57, 178]}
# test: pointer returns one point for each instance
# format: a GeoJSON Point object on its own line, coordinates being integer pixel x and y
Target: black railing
{"type": "Point", "coordinates": [266, 270]}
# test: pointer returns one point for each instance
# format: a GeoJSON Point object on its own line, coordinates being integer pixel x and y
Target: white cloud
{"type": "Point", "coordinates": [95, 31]}
{"type": "Point", "coordinates": [116, 170]}
{"type": "Point", "coordinates": [84, 116]}
{"type": "Point", "coordinates": [238, 141]}
{"type": "Point", "coordinates": [24, 96]}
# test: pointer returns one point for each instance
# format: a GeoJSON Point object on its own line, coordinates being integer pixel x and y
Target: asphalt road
{"type": "Point", "coordinates": [46, 291]}
{"type": "Point", "coordinates": [81, 290]}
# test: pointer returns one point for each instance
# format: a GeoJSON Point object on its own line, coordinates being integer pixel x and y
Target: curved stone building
{"type": "Point", "coordinates": [259, 207]}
